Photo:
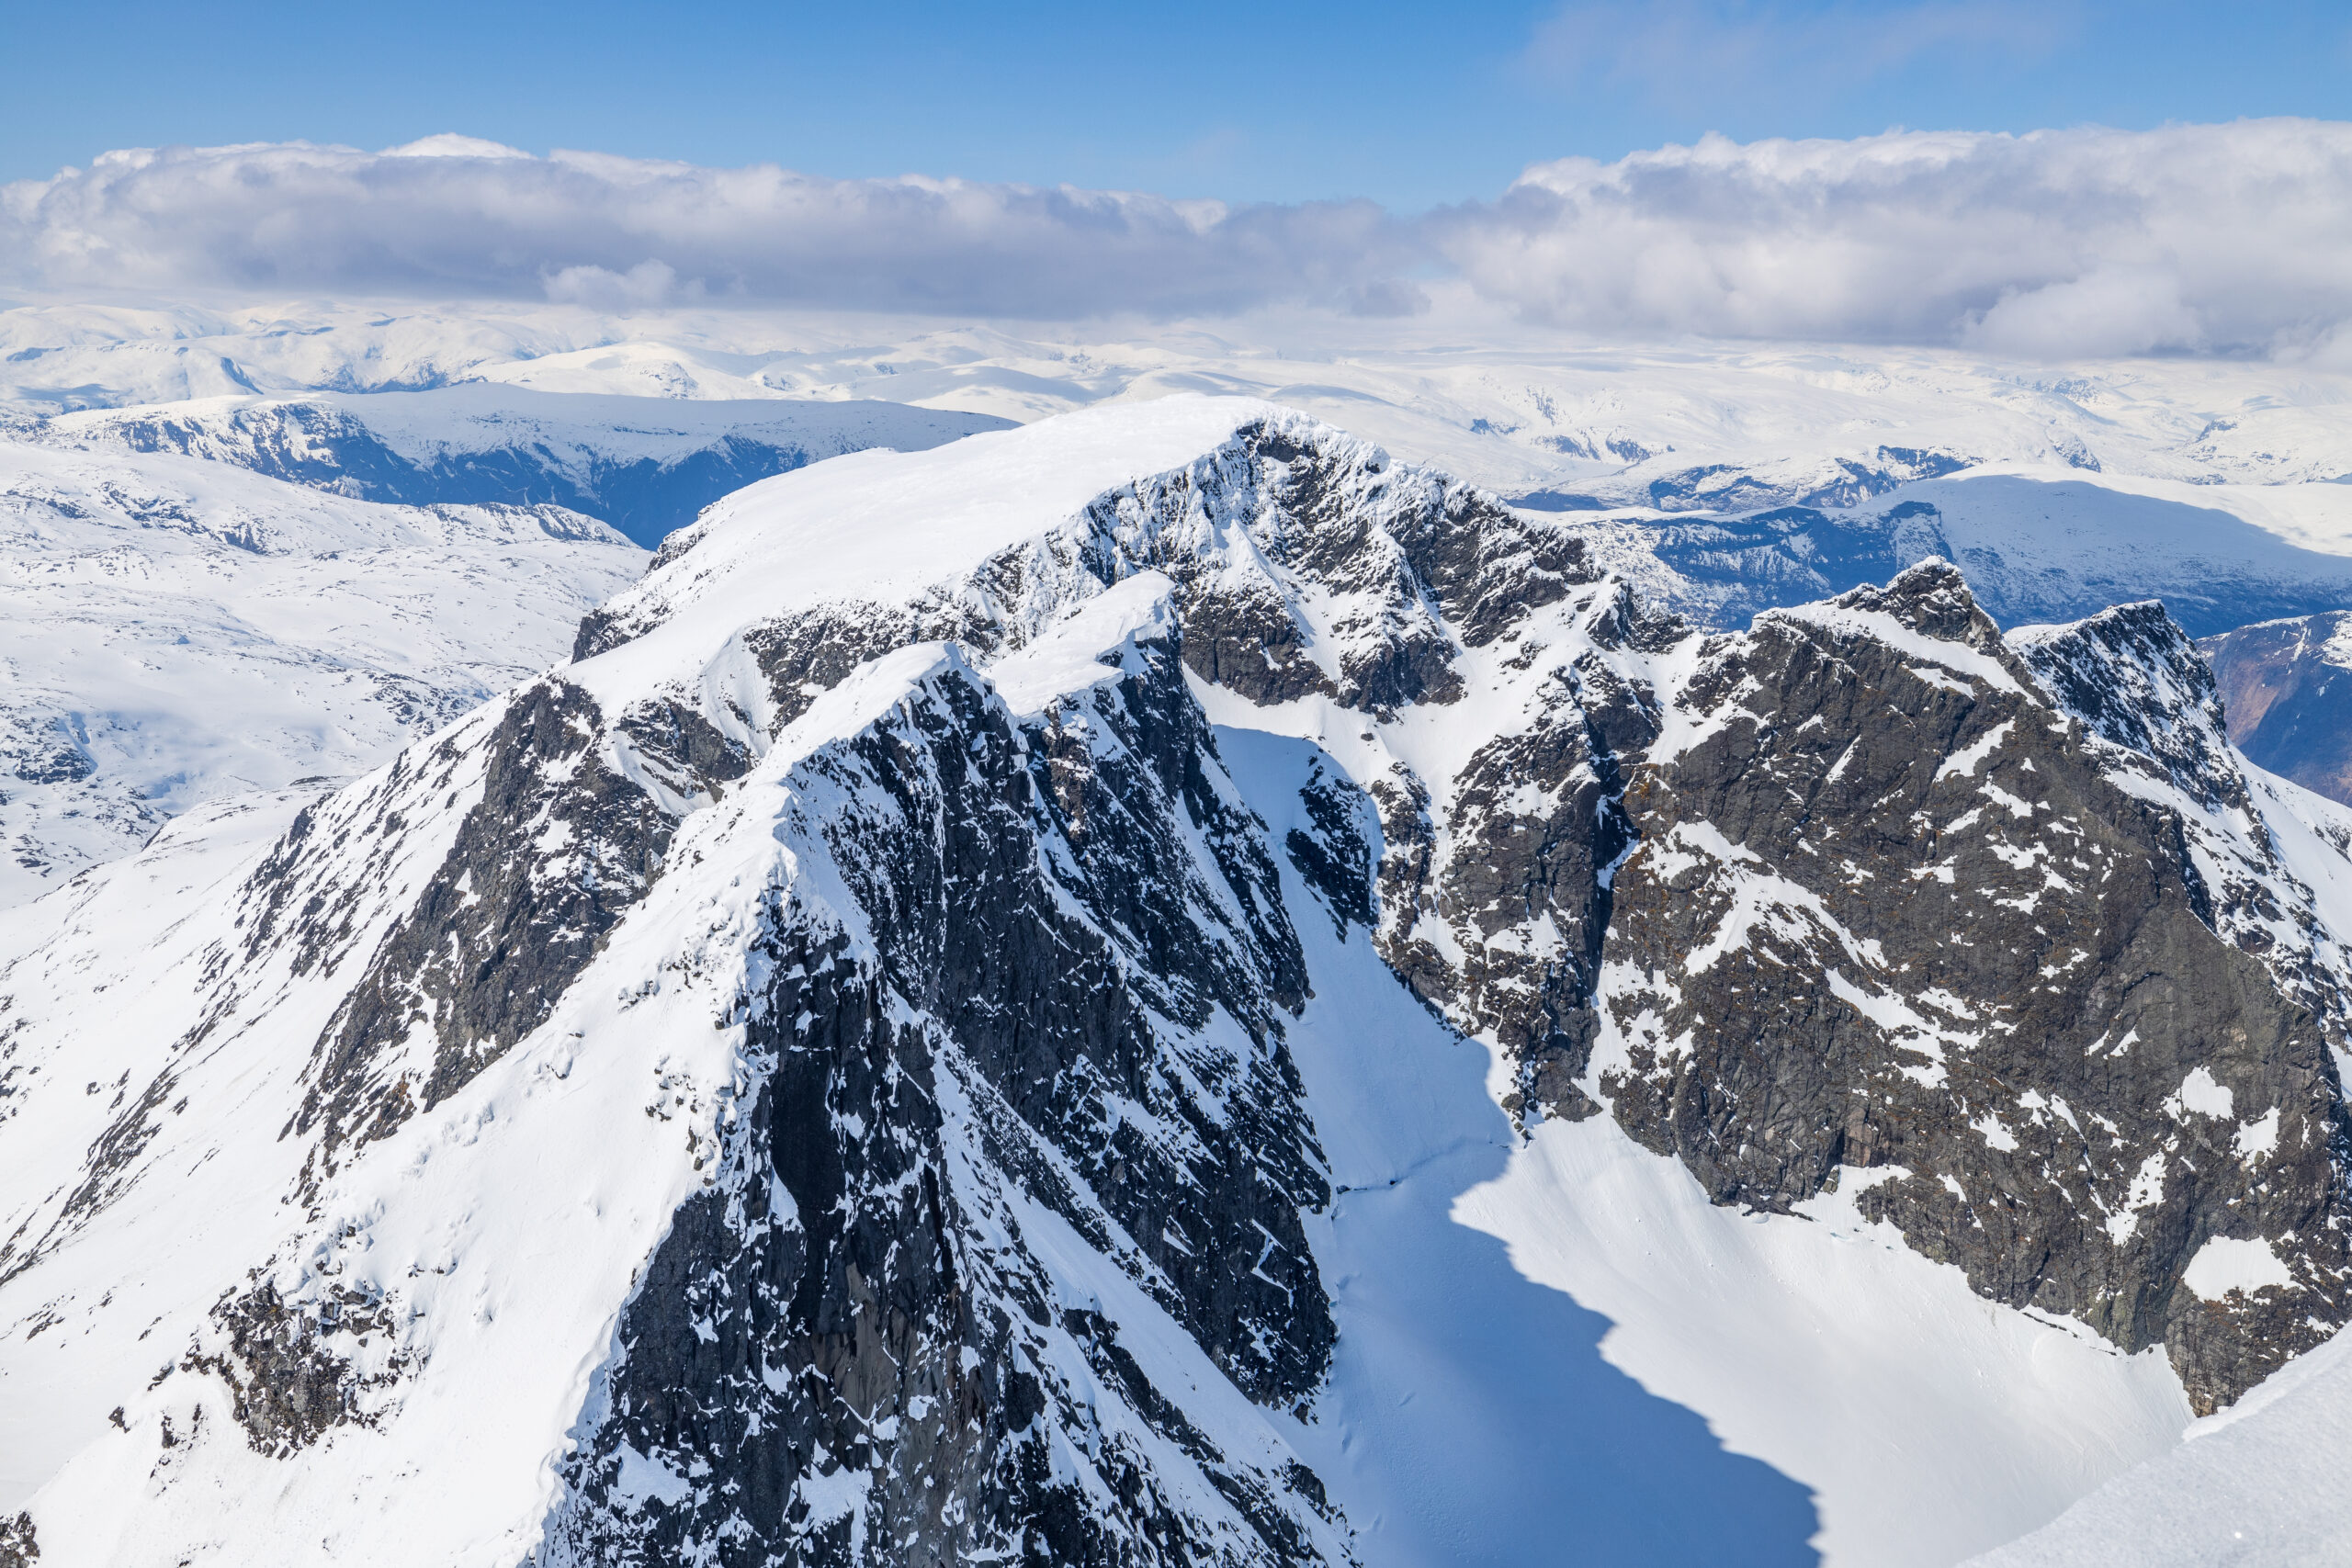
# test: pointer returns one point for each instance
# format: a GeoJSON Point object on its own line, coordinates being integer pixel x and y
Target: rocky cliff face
{"type": "Point", "coordinates": [1914, 910]}
{"type": "Point", "coordinates": [868, 990]}
{"type": "Point", "coordinates": [2288, 687]}
{"type": "Point", "coordinates": [1069, 907]}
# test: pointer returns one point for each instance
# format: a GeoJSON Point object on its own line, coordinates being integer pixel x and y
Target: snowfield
{"type": "Point", "coordinates": [1548, 413]}
{"type": "Point", "coordinates": [175, 631]}
{"type": "Point", "coordinates": [644, 465]}
{"type": "Point", "coordinates": [2215, 485]}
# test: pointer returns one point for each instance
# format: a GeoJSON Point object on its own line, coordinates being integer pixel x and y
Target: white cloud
{"type": "Point", "coordinates": [642, 287]}
{"type": "Point", "coordinates": [2206, 239]}
{"type": "Point", "coordinates": [450, 145]}
{"type": "Point", "coordinates": [2202, 238]}
{"type": "Point", "coordinates": [454, 215]}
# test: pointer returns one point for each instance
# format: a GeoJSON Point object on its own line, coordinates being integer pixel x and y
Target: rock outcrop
{"type": "Point", "coordinates": [2289, 687]}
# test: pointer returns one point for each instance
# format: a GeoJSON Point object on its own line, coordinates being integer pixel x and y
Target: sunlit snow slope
{"type": "Point", "coordinates": [172, 631]}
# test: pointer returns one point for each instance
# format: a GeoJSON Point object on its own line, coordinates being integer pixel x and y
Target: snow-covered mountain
{"type": "Point", "coordinates": [179, 630]}
{"type": "Point", "coordinates": [1498, 401]}
{"type": "Point", "coordinates": [1726, 477]}
{"type": "Point", "coordinates": [2289, 685]}
{"type": "Point", "coordinates": [644, 465]}
{"type": "Point", "coordinates": [174, 631]}
{"type": "Point", "coordinates": [2037, 547]}
{"type": "Point", "coordinates": [1091, 993]}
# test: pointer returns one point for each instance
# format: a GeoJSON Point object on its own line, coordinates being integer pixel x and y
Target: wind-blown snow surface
{"type": "Point", "coordinates": [2259, 1484]}
{"type": "Point", "coordinates": [174, 630]}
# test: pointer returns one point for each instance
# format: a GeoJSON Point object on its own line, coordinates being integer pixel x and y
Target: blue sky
{"type": "Point", "coordinates": [1411, 106]}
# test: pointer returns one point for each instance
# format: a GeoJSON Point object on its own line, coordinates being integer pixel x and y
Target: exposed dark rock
{"type": "Point", "coordinates": [876, 1335]}
{"type": "Point", "coordinates": [763, 1352]}
{"type": "Point", "coordinates": [1336, 859]}
{"type": "Point", "coordinates": [1891, 913]}
{"type": "Point", "coordinates": [2152, 708]}
{"type": "Point", "coordinates": [289, 1384]}
{"type": "Point", "coordinates": [687, 755]}
{"type": "Point", "coordinates": [44, 752]}
{"type": "Point", "coordinates": [1408, 847]}
{"type": "Point", "coordinates": [557, 847]}
{"type": "Point", "coordinates": [805, 655]}
{"type": "Point", "coordinates": [1246, 640]}
{"type": "Point", "coordinates": [600, 632]}
{"type": "Point", "coordinates": [1537, 829]}
{"type": "Point", "coordinates": [2130, 676]}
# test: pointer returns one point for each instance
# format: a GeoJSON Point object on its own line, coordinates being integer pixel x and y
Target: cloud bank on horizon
{"type": "Point", "coordinates": [2195, 238]}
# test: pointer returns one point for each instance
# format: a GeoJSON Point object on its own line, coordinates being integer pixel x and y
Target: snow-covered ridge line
{"type": "Point", "coordinates": [965, 875]}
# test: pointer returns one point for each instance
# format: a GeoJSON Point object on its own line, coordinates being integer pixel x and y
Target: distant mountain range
{"type": "Point", "coordinates": [643, 466]}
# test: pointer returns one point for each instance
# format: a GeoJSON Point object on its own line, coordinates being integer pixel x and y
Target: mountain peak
{"type": "Point", "coordinates": [1932, 598]}
{"type": "Point", "coordinates": [965, 971]}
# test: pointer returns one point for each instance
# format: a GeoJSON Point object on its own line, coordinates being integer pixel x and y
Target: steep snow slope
{"type": "Point", "coordinates": [948, 1031]}
{"type": "Point", "coordinates": [643, 465]}
{"type": "Point", "coordinates": [172, 631]}
{"type": "Point", "coordinates": [1927, 1425]}
{"type": "Point", "coordinates": [2256, 1484]}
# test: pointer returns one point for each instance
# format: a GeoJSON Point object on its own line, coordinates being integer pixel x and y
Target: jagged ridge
{"type": "Point", "coordinates": [908, 899]}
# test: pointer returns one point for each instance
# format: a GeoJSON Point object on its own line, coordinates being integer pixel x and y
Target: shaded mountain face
{"type": "Point", "coordinates": [816, 1079]}
{"type": "Point", "coordinates": [2035, 549]}
{"type": "Point", "coordinates": [1735, 488]}
{"type": "Point", "coordinates": [646, 465]}
{"type": "Point", "coordinates": [1997, 931]}
{"type": "Point", "coordinates": [2289, 687]}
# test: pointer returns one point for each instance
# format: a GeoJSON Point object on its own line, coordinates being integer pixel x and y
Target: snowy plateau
{"type": "Point", "coordinates": [178, 629]}
{"type": "Point", "coordinates": [1148, 954]}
